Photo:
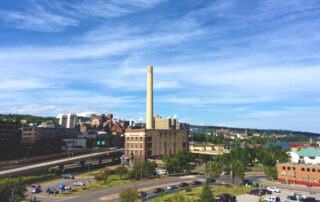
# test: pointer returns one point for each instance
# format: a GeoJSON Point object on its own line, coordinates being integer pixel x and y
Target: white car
{"type": "Point", "coordinates": [67, 188]}
{"type": "Point", "coordinates": [273, 189]}
{"type": "Point", "coordinates": [161, 172]}
{"type": "Point", "coordinates": [78, 184]}
{"type": "Point", "coordinates": [272, 199]}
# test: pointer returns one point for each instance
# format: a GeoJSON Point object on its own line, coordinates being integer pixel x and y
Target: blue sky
{"type": "Point", "coordinates": [232, 63]}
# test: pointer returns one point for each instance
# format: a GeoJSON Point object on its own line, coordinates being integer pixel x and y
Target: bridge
{"type": "Point", "coordinates": [81, 160]}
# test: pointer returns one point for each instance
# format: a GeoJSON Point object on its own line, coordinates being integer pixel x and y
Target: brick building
{"type": "Point", "coordinates": [155, 143]}
{"type": "Point", "coordinates": [299, 174]}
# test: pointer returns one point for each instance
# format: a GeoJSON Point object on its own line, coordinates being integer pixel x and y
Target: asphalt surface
{"type": "Point", "coordinates": [112, 193]}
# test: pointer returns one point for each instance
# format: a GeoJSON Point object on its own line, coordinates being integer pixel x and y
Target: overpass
{"type": "Point", "coordinates": [38, 167]}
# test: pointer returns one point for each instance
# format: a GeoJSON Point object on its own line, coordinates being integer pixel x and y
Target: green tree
{"type": "Point", "coordinates": [206, 195]}
{"type": "Point", "coordinates": [183, 158]}
{"type": "Point", "coordinates": [121, 171]}
{"type": "Point", "coordinates": [237, 169]}
{"type": "Point", "coordinates": [106, 175]}
{"type": "Point", "coordinates": [170, 164]}
{"type": "Point", "coordinates": [19, 191]}
{"type": "Point", "coordinates": [129, 195]}
{"type": "Point", "coordinates": [213, 170]}
{"type": "Point", "coordinates": [271, 171]}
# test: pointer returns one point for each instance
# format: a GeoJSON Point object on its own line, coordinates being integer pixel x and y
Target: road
{"type": "Point", "coordinates": [5, 173]}
{"type": "Point", "coordinates": [111, 194]}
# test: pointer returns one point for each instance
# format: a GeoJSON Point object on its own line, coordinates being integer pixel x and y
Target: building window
{"type": "Point", "coordinates": [140, 152]}
{"type": "Point", "coordinates": [149, 146]}
{"type": "Point", "coordinates": [160, 134]}
{"type": "Point", "coordinates": [288, 168]}
{"type": "Point", "coordinates": [184, 145]}
{"type": "Point", "coordinates": [293, 168]}
{"type": "Point", "coordinates": [149, 153]}
{"type": "Point", "coordinates": [128, 138]}
{"type": "Point", "coordinates": [127, 145]}
{"type": "Point", "coordinates": [131, 145]}
{"type": "Point", "coordinates": [149, 138]}
{"type": "Point", "coordinates": [140, 139]}
{"type": "Point", "coordinates": [318, 170]}
{"type": "Point", "coordinates": [313, 170]}
{"type": "Point", "coordinates": [283, 168]}
{"type": "Point", "coordinates": [128, 151]}
{"type": "Point", "coordinates": [140, 145]}
{"type": "Point", "coordinates": [136, 145]}
{"type": "Point", "coordinates": [302, 169]}
{"type": "Point", "coordinates": [136, 152]}
{"type": "Point", "coordinates": [136, 138]}
{"type": "Point", "coordinates": [308, 169]}
{"type": "Point", "coordinates": [132, 139]}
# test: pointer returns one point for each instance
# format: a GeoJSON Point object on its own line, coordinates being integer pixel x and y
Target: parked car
{"type": "Point", "coordinates": [246, 182]}
{"type": "Point", "coordinates": [158, 190]}
{"type": "Point", "coordinates": [36, 190]}
{"type": "Point", "coordinates": [209, 179]}
{"type": "Point", "coordinates": [161, 172]}
{"type": "Point", "coordinates": [142, 194]}
{"type": "Point", "coordinates": [67, 188]}
{"type": "Point", "coordinates": [196, 182]}
{"type": "Point", "coordinates": [272, 199]}
{"type": "Point", "coordinates": [266, 191]}
{"type": "Point", "coordinates": [183, 184]}
{"type": "Point", "coordinates": [253, 192]}
{"type": "Point", "coordinates": [308, 199]}
{"type": "Point", "coordinates": [225, 197]}
{"type": "Point", "coordinates": [79, 184]}
{"type": "Point", "coordinates": [274, 189]}
{"type": "Point", "coordinates": [296, 196]}
{"type": "Point", "coordinates": [172, 187]}
{"type": "Point", "coordinates": [33, 185]}
{"type": "Point", "coordinates": [67, 176]}
{"type": "Point", "coordinates": [52, 191]}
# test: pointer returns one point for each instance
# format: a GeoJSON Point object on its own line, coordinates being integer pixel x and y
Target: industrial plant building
{"type": "Point", "coordinates": [161, 136]}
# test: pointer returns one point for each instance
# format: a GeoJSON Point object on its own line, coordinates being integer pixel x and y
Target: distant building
{"type": "Point", "coordinates": [42, 135]}
{"type": "Point", "coordinates": [166, 124]}
{"type": "Point", "coordinates": [10, 136]}
{"type": "Point", "coordinates": [74, 143]}
{"type": "Point", "coordinates": [298, 145]}
{"type": "Point", "coordinates": [68, 120]}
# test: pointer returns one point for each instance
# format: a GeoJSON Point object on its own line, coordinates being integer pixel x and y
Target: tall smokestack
{"type": "Point", "coordinates": [150, 98]}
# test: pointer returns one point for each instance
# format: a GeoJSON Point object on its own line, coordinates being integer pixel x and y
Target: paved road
{"type": "Point", "coordinates": [111, 194]}
{"type": "Point", "coordinates": [55, 162]}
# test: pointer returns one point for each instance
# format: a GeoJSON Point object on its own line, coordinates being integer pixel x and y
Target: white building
{"type": "Point", "coordinates": [68, 120]}
{"type": "Point", "coordinates": [74, 144]}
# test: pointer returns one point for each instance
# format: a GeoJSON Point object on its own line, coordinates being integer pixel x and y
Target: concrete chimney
{"type": "Point", "coordinates": [149, 121]}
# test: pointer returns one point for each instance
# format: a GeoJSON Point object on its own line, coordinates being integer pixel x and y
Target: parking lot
{"type": "Point", "coordinates": [55, 184]}
{"type": "Point", "coordinates": [283, 196]}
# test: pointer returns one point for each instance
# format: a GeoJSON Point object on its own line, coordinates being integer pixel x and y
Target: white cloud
{"type": "Point", "coordinates": [37, 19]}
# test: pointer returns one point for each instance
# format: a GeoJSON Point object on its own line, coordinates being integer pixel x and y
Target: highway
{"type": "Point", "coordinates": [56, 162]}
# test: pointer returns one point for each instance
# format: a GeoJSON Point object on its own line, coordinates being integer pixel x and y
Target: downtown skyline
{"type": "Point", "coordinates": [250, 64]}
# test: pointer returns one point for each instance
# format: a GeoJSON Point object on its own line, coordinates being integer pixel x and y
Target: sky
{"type": "Point", "coordinates": [230, 63]}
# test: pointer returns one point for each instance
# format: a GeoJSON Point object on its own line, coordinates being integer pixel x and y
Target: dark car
{"type": "Point", "coordinates": [36, 190]}
{"type": "Point", "coordinates": [210, 179]}
{"type": "Point", "coordinates": [246, 181]}
{"type": "Point", "coordinates": [196, 182]}
{"type": "Point", "coordinates": [52, 191]}
{"type": "Point", "coordinates": [183, 184]}
{"type": "Point", "coordinates": [266, 191]}
{"type": "Point", "coordinates": [142, 194]}
{"type": "Point", "coordinates": [158, 190]}
{"type": "Point", "coordinates": [253, 192]}
{"type": "Point", "coordinates": [67, 176]}
{"type": "Point", "coordinates": [308, 199]}
{"type": "Point", "coordinates": [225, 197]}
{"type": "Point", "coordinates": [296, 196]}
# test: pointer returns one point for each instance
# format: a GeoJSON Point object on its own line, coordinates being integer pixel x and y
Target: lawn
{"type": "Point", "coordinates": [196, 192]}
{"type": "Point", "coordinates": [113, 180]}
